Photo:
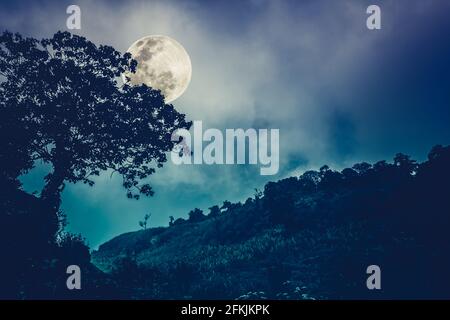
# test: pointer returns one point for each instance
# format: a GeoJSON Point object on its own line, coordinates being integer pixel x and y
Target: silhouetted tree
{"type": "Point", "coordinates": [330, 179]}
{"type": "Point", "coordinates": [381, 166]}
{"type": "Point", "coordinates": [405, 163]}
{"type": "Point", "coordinates": [349, 173]}
{"type": "Point", "coordinates": [309, 180]}
{"type": "Point", "coordinates": [171, 220]}
{"type": "Point", "coordinates": [324, 169]}
{"type": "Point", "coordinates": [196, 215]}
{"type": "Point", "coordinates": [64, 93]}
{"type": "Point", "coordinates": [143, 223]}
{"type": "Point", "coordinates": [279, 201]}
{"type": "Point", "coordinates": [179, 221]}
{"type": "Point", "coordinates": [362, 167]}
{"type": "Point", "coordinates": [226, 205]}
{"type": "Point", "coordinates": [18, 59]}
{"type": "Point", "coordinates": [214, 211]}
{"type": "Point", "coordinates": [437, 151]}
{"type": "Point", "coordinates": [73, 248]}
{"type": "Point", "coordinates": [258, 194]}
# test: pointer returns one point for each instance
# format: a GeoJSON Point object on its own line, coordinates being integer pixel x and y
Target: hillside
{"type": "Point", "coordinates": [303, 237]}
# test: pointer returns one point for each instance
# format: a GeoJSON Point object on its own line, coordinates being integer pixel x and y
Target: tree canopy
{"type": "Point", "coordinates": [62, 101]}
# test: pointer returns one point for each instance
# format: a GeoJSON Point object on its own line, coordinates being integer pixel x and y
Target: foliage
{"type": "Point", "coordinates": [74, 249]}
{"type": "Point", "coordinates": [311, 237]}
{"type": "Point", "coordinates": [61, 102]}
{"type": "Point", "coordinates": [196, 215]}
{"type": "Point", "coordinates": [143, 223]}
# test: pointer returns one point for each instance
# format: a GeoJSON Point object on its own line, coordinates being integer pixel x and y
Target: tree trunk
{"type": "Point", "coordinates": [51, 193]}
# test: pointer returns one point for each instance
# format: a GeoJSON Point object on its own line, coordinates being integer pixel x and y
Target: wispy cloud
{"type": "Point", "coordinates": [310, 68]}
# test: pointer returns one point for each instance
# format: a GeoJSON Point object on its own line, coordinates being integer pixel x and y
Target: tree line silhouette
{"type": "Point", "coordinates": [303, 237]}
{"type": "Point", "coordinates": [62, 103]}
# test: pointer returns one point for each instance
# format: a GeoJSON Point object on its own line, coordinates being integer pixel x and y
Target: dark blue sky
{"type": "Point", "coordinates": [338, 92]}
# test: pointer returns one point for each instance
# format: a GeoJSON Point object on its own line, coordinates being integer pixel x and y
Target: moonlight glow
{"type": "Point", "coordinates": [163, 64]}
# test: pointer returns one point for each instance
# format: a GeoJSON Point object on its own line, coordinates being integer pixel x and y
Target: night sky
{"type": "Point", "coordinates": [338, 92]}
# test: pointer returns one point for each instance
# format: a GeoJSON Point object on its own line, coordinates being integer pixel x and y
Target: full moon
{"type": "Point", "coordinates": [163, 64]}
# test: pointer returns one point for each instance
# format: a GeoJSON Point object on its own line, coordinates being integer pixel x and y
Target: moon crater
{"type": "Point", "coordinates": [163, 64]}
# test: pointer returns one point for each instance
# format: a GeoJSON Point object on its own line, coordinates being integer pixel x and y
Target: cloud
{"type": "Point", "coordinates": [310, 68]}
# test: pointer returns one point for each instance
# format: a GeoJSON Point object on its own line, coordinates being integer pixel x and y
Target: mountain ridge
{"type": "Point", "coordinates": [311, 236]}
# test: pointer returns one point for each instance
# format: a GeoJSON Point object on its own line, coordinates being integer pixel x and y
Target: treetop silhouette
{"type": "Point", "coordinates": [62, 102]}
